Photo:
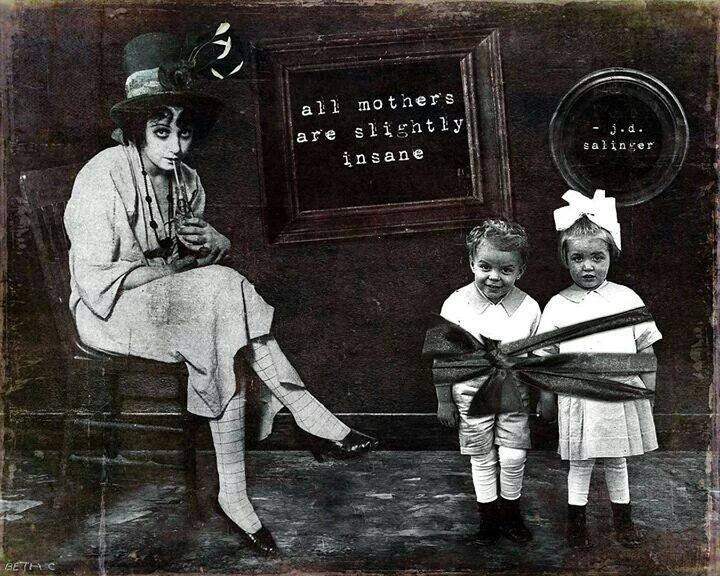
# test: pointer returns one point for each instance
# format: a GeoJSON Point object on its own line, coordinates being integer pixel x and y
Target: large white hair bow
{"type": "Point", "coordinates": [599, 209]}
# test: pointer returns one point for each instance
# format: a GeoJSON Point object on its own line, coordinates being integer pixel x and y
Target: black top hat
{"type": "Point", "coordinates": [158, 75]}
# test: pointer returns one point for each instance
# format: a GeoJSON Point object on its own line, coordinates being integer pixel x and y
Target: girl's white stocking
{"type": "Point", "coordinates": [616, 478]}
{"type": "Point", "coordinates": [579, 481]}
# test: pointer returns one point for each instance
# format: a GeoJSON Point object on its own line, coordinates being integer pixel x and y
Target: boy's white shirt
{"type": "Point", "coordinates": [514, 317]}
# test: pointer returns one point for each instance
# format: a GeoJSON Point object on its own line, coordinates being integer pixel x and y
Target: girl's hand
{"type": "Point", "coordinates": [200, 237]}
{"type": "Point", "coordinates": [649, 378]}
{"type": "Point", "coordinates": [447, 413]}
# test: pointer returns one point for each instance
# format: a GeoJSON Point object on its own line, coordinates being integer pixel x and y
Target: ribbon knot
{"type": "Point", "coordinates": [503, 370]}
{"type": "Point", "coordinates": [498, 359]}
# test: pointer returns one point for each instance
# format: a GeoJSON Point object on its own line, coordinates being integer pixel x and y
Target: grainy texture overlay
{"type": "Point", "coordinates": [352, 307]}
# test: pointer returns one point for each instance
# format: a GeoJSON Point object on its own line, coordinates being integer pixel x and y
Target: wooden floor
{"type": "Point", "coordinates": [390, 512]}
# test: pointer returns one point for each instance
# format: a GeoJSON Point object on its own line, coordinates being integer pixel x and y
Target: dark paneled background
{"type": "Point", "coordinates": [351, 314]}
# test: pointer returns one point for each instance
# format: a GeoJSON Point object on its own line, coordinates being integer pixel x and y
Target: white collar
{"type": "Point", "coordinates": [577, 294]}
{"type": "Point", "coordinates": [510, 302]}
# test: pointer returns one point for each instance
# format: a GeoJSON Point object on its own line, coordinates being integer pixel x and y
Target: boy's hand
{"type": "Point", "coordinates": [447, 413]}
{"type": "Point", "coordinates": [547, 407]}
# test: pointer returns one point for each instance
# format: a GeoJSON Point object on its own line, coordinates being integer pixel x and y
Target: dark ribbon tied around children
{"type": "Point", "coordinates": [458, 357]}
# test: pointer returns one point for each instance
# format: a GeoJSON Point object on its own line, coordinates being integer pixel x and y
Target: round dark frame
{"type": "Point", "coordinates": [640, 85]}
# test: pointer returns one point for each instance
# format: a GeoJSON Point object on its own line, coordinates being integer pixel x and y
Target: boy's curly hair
{"type": "Point", "coordinates": [502, 234]}
{"type": "Point", "coordinates": [581, 228]}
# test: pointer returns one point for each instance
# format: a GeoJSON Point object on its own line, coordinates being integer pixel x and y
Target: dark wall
{"type": "Point", "coordinates": [352, 313]}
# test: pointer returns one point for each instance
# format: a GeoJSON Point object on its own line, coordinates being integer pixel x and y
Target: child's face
{"type": "Point", "coordinates": [496, 271]}
{"type": "Point", "coordinates": [588, 260]}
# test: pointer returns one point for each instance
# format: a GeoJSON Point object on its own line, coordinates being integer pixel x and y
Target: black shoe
{"type": "Point", "coordinates": [488, 533]}
{"type": "Point", "coordinates": [625, 531]}
{"type": "Point", "coordinates": [511, 524]}
{"type": "Point", "coordinates": [261, 541]}
{"type": "Point", "coordinates": [576, 532]}
{"type": "Point", "coordinates": [354, 445]}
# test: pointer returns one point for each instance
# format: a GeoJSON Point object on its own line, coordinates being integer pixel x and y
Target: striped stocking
{"type": "Point", "coordinates": [308, 411]}
{"type": "Point", "coordinates": [228, 433]}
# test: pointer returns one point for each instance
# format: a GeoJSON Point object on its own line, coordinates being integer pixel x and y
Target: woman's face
{"type": "Point", "coordinates": [166, 141]}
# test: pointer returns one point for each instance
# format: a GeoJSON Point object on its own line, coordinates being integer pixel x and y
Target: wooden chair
{"type": "Point", "coordinates": [46, 193]}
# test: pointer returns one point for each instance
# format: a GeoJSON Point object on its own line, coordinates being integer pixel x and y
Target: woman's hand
{"type": "Point", "coordinates": [184, 263]}
{"type": "Point", "coordinates": [201, 238]}
{"type": "Point", "coordinates": [144, 274]}
{"type": "Point", "coordinates": [447, 413]}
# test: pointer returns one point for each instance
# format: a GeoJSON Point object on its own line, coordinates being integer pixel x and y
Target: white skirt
{"type": "Point", "coordinates": [201, 316]}
{"type": "Point", "coordinates": [596, 429]}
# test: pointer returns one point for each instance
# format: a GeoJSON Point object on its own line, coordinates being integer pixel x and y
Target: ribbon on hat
{"type": "Point", "coordinates": [598, 209]}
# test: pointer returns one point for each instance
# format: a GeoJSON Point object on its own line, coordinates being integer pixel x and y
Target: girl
{"type": "Point", "coordinates": [589, 430]}
{"type": "Point", "coordinates": [146, 277]}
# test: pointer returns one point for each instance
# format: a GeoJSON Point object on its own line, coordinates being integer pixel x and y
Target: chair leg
{"type": "Point", "coordinates": [67, 442]}
{"type": "Point", "coordinates": [111, 446]}
{"type": "Point", "coordinates": [189, 426]}
{"type": "Point", "coordinates": [59, 498]}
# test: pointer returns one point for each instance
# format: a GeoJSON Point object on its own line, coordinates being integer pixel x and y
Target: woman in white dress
{"type": "Point", "coordinates": [147, 279]}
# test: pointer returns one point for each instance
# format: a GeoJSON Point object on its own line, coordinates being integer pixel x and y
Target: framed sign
{"type": "Point", "coordinates": [622, 131]}
{"type": "Point", "coordinates": [381, 133]}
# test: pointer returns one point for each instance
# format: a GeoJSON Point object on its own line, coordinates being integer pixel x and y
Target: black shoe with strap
{"type": "Point", "coordinates": [625, 531]}
{"type": "Point", "coordinates": [511, 524]}
{"type": "Point", "coordinates": [354, 445]}
{"type": "Point", "coordinates": [576, 532]}
{"type": "Point", "coordinates": [488, 532]}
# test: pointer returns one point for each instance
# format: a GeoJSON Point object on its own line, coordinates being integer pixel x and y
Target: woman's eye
{"type": "Point", "coordinates": [186, 134]}
{"type": "Point", "coordinates": [162, 132]}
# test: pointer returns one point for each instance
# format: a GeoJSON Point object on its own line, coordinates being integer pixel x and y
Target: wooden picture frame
{"type": "Point", "coordinates": [310, 198]}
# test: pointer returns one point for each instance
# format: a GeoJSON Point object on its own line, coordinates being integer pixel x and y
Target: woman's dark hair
{"type": "Point", "coordinates": [133, 123]}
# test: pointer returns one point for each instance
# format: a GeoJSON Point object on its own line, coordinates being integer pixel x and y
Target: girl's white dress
{"type": "Point", "coordinates": [201, 316]}
{"type": "Point", "coordinates": [592, 428]}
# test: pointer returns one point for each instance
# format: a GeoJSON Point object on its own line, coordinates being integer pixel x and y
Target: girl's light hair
{"type": "Point", "coordinates": [584, 227]}
{"type": "Point", "coordinates": [502, 234]}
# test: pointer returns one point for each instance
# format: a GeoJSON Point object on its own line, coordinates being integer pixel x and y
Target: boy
{"type": "Point", "coordinates": [492, 307]}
